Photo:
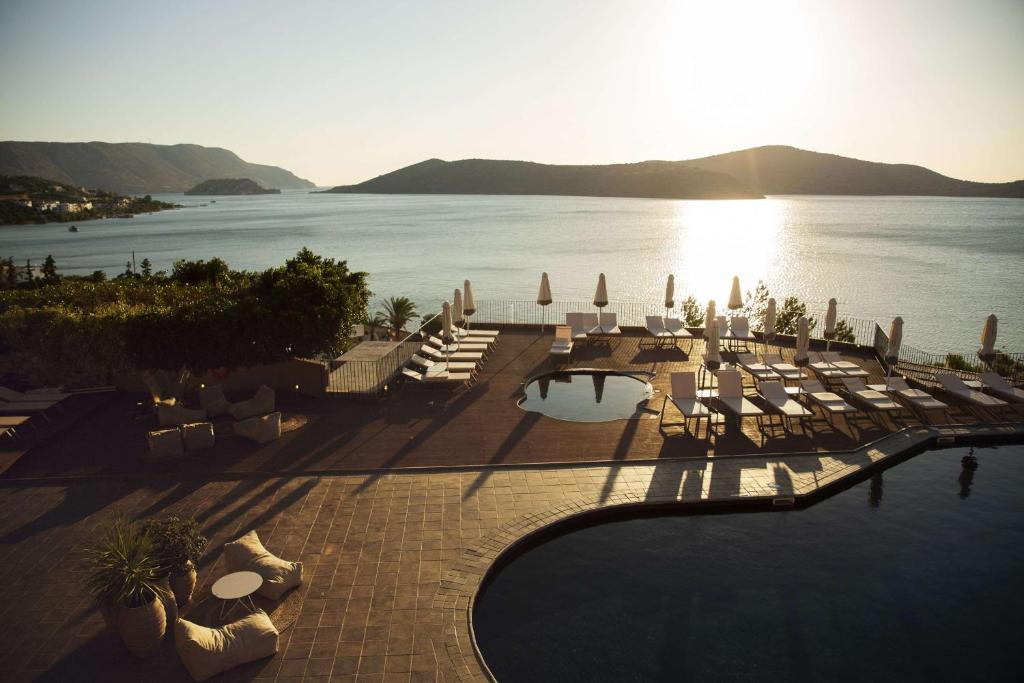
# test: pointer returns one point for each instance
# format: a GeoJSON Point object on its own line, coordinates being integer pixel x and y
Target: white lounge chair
{"type": "Point", "coordinates": [779, 403]}
{"type": "Point", "coordinates": [916, 400]}
{"type": "Point", "coordinates": [874, 401]}
{"type": "Point", "coordinates": [759, 371]}
{"type": "Point", "coordinates": [475, 332]}
{"type": "Point", "coordinates": [450, 378]}
{"type": "Point", "coordinates": [562, 345]}
{"type": "Point", "coordinates": [996, 384]}
{"type": "Point", "coordinates": [787, 371]}
{"type": "Point", "coordinates": [432, 368]}
{"type": "Point", "coordinates": [591, 323]}
{"type": "Point", "coordinates": [13, 396]}
{"type": "Point", "coordinates": [684, 398]}
{"type": "Point", "coordinates": [655, 325]}
{"type": "Point", "coordinates": [609, 324]}
{"type": "Point", "coordinates": [824, 370]}
{"type": "Point", "coordinates": [730, 396]}
{"type": "Point", "coordinates": [849, 367]}
{"type": "Point", "coordinates": [439, 356]}
{"type": "Point", "coordinates": [831, 404]}
{"type": "Point", "coordinates": [574, 321]}
{"type": "Point", "coordinates": [679, 331]}
{"type": "Point", "coordinates": [955, 387]}
{"type": "Point", "coordinates": [455, 347]}
{"type": "Point", "coordinates": [739, 331]}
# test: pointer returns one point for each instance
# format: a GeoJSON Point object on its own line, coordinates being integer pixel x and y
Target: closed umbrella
{"type": "Point", "coordinates": [803, 340]}
{"type": "Point", "coordinates": [544, 297]}
{"type": "Point", "coordinates": [458, 315]}
{"type": "Point", "coordinates": [599, 378]}
{"type": "Point", "coordinates": [709, 320]}
{"type": "Point", "coordinates": [769, 322]}
{"type": "Point", "coordinates": [468, 302]}
{"type": "Point", "coordinates": [712, 359]}
{"type": "Point", "coordinates": [892, 353]}
{"type": "Point", "coordinates": [988, 339]}
{"type": "Point", "coordinates": [446, 328]}
{"type": "Point", "coordinates": [830, 323]}
{"type": "Point", "coordinates": [735, 296]}
{"type": "Point", "coordinates": [601, 293]}
{"type": "Point", "coordinates": [670, 291]}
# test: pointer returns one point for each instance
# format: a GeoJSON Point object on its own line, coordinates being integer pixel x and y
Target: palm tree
{"type": "Point", "coordinates": [372, 321]}
{"type": "Point", "coordinates": [399, 311]}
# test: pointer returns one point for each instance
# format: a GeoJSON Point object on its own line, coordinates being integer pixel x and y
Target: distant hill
{"type": "Point", "coordinates": [788, 170]}
{"type": "Point", "coordinates": [228, 186]}
{"type": "Point", "coordinates": [656, 179]}
{"type": "Point", "coordinates": [136, 167]}
{"type": "Point", "coordinates": [749, 173]}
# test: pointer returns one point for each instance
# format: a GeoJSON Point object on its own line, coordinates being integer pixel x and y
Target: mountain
{"type": "Point", "coordinates": [656, 179]}
{"type": "Point", "coordinates": [136, 167]}
{"type": "Point", "coordinates": [788, 170]}
{"type": "Point", "coordinates": [227, 186]}
{"type": "Point", "coordinates": [748, 173]}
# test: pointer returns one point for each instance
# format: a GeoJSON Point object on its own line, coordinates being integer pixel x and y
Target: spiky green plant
{"type": "Point", "coordinates": [399, 310]}
{"type": "Point", "coordinates": [125, 566]}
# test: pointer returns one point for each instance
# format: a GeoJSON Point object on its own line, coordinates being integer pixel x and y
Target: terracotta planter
{"type": "Point", "coordinates": [182, 585]}
{"type": "Point", "coordinates": [143, 627]}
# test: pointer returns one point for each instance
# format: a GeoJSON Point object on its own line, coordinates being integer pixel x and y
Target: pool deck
{"type": "Point", "coordinates": [395, 531]}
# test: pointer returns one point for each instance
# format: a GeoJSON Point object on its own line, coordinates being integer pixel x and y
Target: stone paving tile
{"type": "Point", "coordinates": [391, 561]}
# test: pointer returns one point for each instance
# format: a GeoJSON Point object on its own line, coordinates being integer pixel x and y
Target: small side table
{"type": "Point", "coordinates": [237, 586]}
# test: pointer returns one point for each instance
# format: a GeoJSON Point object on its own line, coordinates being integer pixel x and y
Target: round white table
{"type": "Point", "coordinates": [237, 586]}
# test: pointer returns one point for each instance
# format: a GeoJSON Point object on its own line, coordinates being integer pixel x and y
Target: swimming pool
{"type": "Point", "coordinates": [914, 575]}
{"type": "Point", "coordinates": [586, 395]}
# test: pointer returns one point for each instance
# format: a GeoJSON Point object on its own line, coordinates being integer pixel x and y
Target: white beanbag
{"type": "Point", "coordinates": [206, 652]}
{"type": "Point", "coordinates": [213, 401]}
{"type": "Point", "coordinates": [248, 554]}
{"type": "Point", "coordinates": [197, 436]}
{"type": "Point", "coordinates": [260, 404]}
{"type": "Point", "coordinates": [165, 443]}
{"type": "Point", "coordinates": [260, 429]}
{"type": "Point", "coordinates": [178, 415]}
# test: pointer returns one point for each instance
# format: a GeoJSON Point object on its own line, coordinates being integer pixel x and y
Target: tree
{"type": "Point", "coordinates": [98, 276]}
{"type": "Point", "coordinates": [373, 321]}
{"type": "Point", "coordinates": [10, 273]}
{"type": "Point", "coordinates": [844, 332]}
{"type": "Point", "coordinates": [787, 316]}
{"type": "Point", "coordinates": [50, 270]}
{"type": "Point", "coordinates": [755, 304]}
{"type": "Point", "coordinates": [693, 313]}
{"type": "Point", "coordinates": [213, 271]}
{"type": "Point", "coordinates": [399, 311]}
{"type": "Point", "coordinates": [29, 275]}
{"type": "Point", "coordinates": [147, 268]}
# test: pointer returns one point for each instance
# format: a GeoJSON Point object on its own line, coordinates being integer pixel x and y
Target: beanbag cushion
{"type": "Point", "coordinates": [248, 554]}
{"type": "Point", "coordinates": [165, 443]}
{"type": "Point", "coordinates": [260, 404]}
{"type": "Point", "coordinates": [213, 401]}
{"type": "Point", "coordinates": [206, 652]}
{"type": "Point", "coordinates": [260, 429]}
{"type": "Point", "coordinates": [178, 415]}
{"type": "Point", "coordinates": [198, 435]}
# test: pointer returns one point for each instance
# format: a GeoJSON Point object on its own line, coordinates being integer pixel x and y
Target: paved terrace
{"type": "Point", "coordinates": [431, 427]}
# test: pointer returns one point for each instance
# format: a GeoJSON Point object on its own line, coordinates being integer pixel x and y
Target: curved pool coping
{"type": "Point", "coordinates": [461, 585]}
{"type": "Point", "coordinates": [639, 375]}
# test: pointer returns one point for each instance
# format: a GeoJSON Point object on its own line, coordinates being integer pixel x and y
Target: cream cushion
{"type": "Point", "coordinates": [178, 415]}
{"type": "Point", "coordinates": [248, 554]}
{"type": "Point", "coordinates": [206, 652]}
{"type": "Point", "coordinates": [198, 435]}
{"type": "Point", "coordinates": [260, 429]}
{"type": "Point", "coordinates": [260, 404]}
{"type": "Point", "coordinates": [165, 443]}
{"type": "Point", "coordinates": [213, 401]}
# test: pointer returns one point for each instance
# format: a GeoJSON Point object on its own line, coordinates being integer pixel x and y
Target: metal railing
{"type": "Point", "coordinates": [923, 365]}
{"type": "Point", "coordinates": [372, 378]}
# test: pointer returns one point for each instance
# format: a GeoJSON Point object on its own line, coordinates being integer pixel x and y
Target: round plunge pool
{"type": "Point", "coordinates": [587, 395]}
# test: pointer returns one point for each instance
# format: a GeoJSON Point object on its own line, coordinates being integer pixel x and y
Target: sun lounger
{"type": "Point", "coordinates": [656, 328]}
{"type": "Point", "coordinates": [684, 398]}
{"type": "Point", "coordinates": [997, 385]}
{"type": "Point", "coordinates": [874, 401]}
{"type": "Point", "coordinates": [562, 345]}
{"type": "Point", "coordinates": [12, 422]}
{"type": "Point", "coordinates": [758, 371]}
{"type": "Point", "coordinates": [678, 330]}
{"type": "Point", "coordinates": [608, 324]}
{"type": "Point", "coordinates": [574, 321]}
{"type": "Point", "coordinates": [432, 368]}
{"type": "Point", "coordinates": [730, 396]}
{"type": "Point", "coordinates": [849, 367]}
{"type": "Point", "coordinates": [787, 371]}
{"type": "Point", "coordinates": [823, 369]}
{"type": "Point", "coordinates": [739, 330]}
{"type": "Point", "coordinates": [27, 408]}
{"type": "Point", "coordinates": [917, 400]}
{"type": "Point", "coordinates": [454, 347]}
{"type": "Point", "coordinates": [832, 404]}
{"type": "Point", "coordinates": [441, 378]}
{"type": "Point", "coordinates": [779, 403]}
{"type": "Point", "coordinates": [474, 332]}
{"type": "Point", "coordinates": [438, 356]}
{"type": "Point", "coordinates": [955, 387]}
{"type": "Point", "coordinates": [591, 322]}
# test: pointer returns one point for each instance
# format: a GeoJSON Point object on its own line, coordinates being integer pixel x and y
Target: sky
{"type": "Point", "coordinates": [340, 91]}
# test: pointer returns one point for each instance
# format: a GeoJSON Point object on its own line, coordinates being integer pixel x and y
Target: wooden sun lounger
{"type": "Point", "coordinates": [684, 398]}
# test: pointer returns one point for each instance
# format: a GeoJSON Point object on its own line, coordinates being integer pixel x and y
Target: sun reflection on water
{"type": "Point", "coordinates": [718, 239]}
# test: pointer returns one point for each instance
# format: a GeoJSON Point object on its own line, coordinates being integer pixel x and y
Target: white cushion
{"type": "Point", "coordinates": [197, 435]}
{"type": "Point", "coordinates": [248, 554]}
{"type": "Point", "coordinates": [260, 429]}
{"type": "Point", "coordinates": [260, 404]}
{"type": "Point", "coordinates": [206, 652]}
{"type": "Point", "coordinates": [178, 415]}
{"type": "Point", "coordinates": [165, 443]}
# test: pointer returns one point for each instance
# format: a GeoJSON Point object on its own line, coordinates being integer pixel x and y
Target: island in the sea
{"type": "Point", "coordinates": [229, 186]}
{"type": "Point", "coordinates": [28, 199]}
{"type": "Point", "coordinates": [750, 173]}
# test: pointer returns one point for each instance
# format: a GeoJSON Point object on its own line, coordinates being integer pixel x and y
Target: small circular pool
{"type": "Point", "coordinates": [586, 395]}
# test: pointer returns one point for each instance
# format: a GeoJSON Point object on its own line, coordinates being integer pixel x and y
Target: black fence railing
{"type": "Point", "coordinates": [372, 378]}
{"type": "Point", "coordinates": [923, 365]}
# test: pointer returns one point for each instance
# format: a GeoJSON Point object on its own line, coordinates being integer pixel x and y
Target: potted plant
{"type": "Point", "coordinates": [179, 545]}
{"type": "Point", "coordinates": [126, 581]}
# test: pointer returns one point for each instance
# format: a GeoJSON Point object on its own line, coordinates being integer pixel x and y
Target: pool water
{"type": "Point", "coordinates": [586, 395]}
{"type": "Point", "coordinates": [915, 575]}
